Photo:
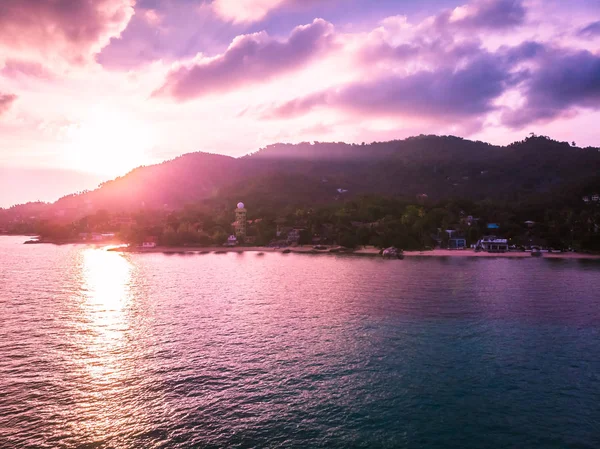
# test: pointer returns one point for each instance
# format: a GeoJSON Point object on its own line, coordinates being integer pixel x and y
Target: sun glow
{"type": "Point", "coordinates": [108, 142]}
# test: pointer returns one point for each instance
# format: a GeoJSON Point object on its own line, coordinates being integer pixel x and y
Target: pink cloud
{"type": "Point", "coordinates": [245, 10]}
{"type": "Point", "coordinates": [6, 101]}
{"type": "Point", "coordinates": [14, 68]}
{"type": "Point", "coordinates": [250, 59]}
{"type": "Point", "coordinates": [72, 29]}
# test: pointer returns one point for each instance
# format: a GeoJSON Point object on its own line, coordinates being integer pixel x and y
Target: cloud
{"type": "Point", "coordinates": [168, 31]}
{"type": "Point", "coordinates": [591, 30]}
{"type": "Point", "coordinates": [562, 81]}
{"type": "Point", "coordinates": [6, 101]}
{"type": "Point", "coordinates": [483, 14]}
{"type": "Point", "coordinates": [448, 37]}
{"type": "Point", "coordinates": [14, 68]}
{"type": "Point", "coordinates": [70, 29]}
{"type": "Point", "coordinates": [250, 59]}
{"type": "Point", "coordinates": [442, 95]}
{"type": "Point", "coordinates": [245, 11]}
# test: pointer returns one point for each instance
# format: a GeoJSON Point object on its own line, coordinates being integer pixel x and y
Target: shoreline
{"type": "Point", "coordinates": [364, 252]}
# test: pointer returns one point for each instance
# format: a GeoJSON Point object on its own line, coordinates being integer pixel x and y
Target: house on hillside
{"type": "Point", "coordinates": [294, 235]}
{"type": "Point", "coordinates": [149, 242]}
{"type": "Point", "coordinates": [457, 243]}
{"type": "Point", "coordinates": [231, 240]}
{"type": "Point", "coordinates": [492, 244]}
{"type": "Point", "coordinates": [97, 237]}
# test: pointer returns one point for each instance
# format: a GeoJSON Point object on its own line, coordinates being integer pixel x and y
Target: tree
{"type": "Point", "coordinates": [305, 237]}
{"type": "Point", "coordinates": [219, 237]}
{"type": "Point", "coordinates": [348, 240]}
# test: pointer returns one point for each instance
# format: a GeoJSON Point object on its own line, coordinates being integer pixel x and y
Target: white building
{"type": "Point", "coordinates": [492, 244]}
{"type": "Point", "coordinates": [149, 242]}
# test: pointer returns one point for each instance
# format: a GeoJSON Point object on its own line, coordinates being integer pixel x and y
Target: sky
{"type": "Point", "coordinates": [90, 89]}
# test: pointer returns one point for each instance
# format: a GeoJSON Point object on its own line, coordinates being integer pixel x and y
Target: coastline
{"type": "Point", "coordinates": [365, 252]}
{"type": "Point", "coordinates": [362, 252]}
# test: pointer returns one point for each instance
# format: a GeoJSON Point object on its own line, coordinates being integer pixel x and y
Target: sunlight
{"type": "Point", "coordinates": [106, 281]}
{"type": "Point", "coordinates": [108, 142]}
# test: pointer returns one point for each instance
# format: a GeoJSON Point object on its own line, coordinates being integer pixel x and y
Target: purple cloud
{"type": "Point", "coordinates": [591, 30]}
{"type": "Point", "coordinates": [250, 59]}
{"type": "Point", "coordinates": [6, 101]}
{"type": "Point", "coordinates": [443, 94]}
{"type": "Point", "coordinates": [563, 80]}
{"type": "Point", "coordinates": [168, 30]}
{"type": "Point", "coordinates": [483, 14]}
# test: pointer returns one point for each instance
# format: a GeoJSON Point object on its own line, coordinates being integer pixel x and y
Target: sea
{"type": "Point", "coordinates": [101, 349]}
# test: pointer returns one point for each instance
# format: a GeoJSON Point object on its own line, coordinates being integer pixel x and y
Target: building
{"type": "Point", "coordinates": [457, 243]}
{"type": "Point", "coordinates": [294, 235]}
{"type": "Point", "coordinates": [241, 221]}
{"type": "Point", "coordinates": [97, 237]}
{"type": "Point", "coordinates": [586, 199]}
{"type": "Point", "coordinates": [149, 242]}
{"type": "Point", "coordinates": [231, 241]}
{"type": "Point", "coordinates": [595, 198]}
{"type": "Point", "coordinates": [492, 244]}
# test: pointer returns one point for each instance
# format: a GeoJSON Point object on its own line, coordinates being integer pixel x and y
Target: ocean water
{"type": "Point", "coordinates": [106, 350]}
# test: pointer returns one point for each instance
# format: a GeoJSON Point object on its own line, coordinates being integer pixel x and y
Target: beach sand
{"type": "Point", "coordinates": [369, 251]}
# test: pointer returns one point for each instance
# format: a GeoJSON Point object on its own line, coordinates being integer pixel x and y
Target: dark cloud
{"type": "Point", "coordinates": [73, 28]}
{"type": "Point", "coordinates": [526, 51]}
{"type": "Point", "coordinates": [562, 81]}
{"type": "Point", "coordinates": [484, 14]}
{"type": "Point", "coordinates": [249, 59]}
{"type": "Point", "coordinates": [6, 101]}
{"type": "Point", "coordinates": [591, 30]}
{"type": "Point", "coordinates": [444, 94]}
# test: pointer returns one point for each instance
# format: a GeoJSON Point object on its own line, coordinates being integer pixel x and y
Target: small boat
{"type": "Point", "coordinates": [287, 251]}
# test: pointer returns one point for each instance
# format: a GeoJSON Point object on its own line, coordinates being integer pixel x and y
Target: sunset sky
{"type": "Point", "coordinates": [90, 89]}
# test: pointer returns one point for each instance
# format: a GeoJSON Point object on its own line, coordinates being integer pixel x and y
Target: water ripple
{"type": "Point", "coordinates": [102, 350]}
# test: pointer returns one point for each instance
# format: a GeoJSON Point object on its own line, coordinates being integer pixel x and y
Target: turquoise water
{"type": "Point", "coordinates": [99, 349]}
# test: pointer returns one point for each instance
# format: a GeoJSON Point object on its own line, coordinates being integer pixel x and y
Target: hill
{"type": "Point", "coordinates": [441, 167]}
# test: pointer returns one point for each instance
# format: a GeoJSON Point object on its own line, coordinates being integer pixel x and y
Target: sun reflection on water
{"type": "Point", "coordinates": [106, 285]}
{"type": "Point", "coordinates": [104, 352]}
{"type": "Point", "coordinates": [107, 277]}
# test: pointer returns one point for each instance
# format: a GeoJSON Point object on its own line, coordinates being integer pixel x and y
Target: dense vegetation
{"type": "Point", "coordinates": [403, 193]}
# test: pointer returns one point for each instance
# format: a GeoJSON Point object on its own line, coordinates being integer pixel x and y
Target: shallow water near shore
{"type": "Point", "coordinates": [108, 349]}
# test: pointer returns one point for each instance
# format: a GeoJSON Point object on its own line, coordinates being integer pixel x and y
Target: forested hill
{"type": "Point", "coordinates": [305, 173]}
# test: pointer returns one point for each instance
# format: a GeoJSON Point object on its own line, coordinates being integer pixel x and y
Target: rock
{"type": "Point", "coordinates": [392, 253]}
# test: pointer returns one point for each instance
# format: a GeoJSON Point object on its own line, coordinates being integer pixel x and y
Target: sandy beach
{"type": "Point", "coordinates": [369, 251]}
